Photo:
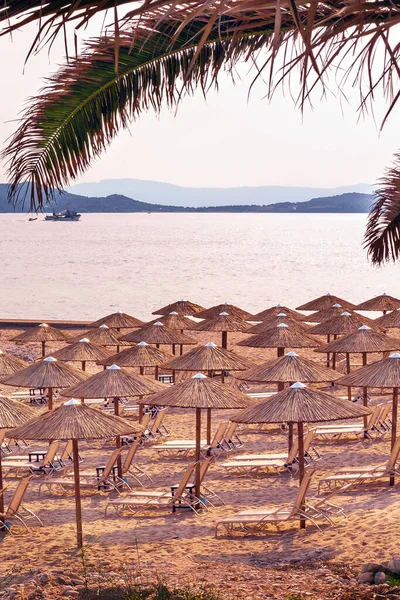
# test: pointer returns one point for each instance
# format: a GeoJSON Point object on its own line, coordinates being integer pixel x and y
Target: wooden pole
{"type": "Point", "coordinates": [43, 349]}
{"type": "Point", "coordinates": [173, 349]}
{"type": "Point", "coordinates": [117, 349]}
{"type": "Point", "coordinates": [50, 390]}
{"type": "Point", "coordinates": [140, 414]}
{"type": "Point", "coordinates": [156, 372]}
{"type": "Point", "coordinates": [348, 371]}
{"type": "Point", "coordinates": [280, 352]}
{"type": "Point", "coordinates": [328, 355]}
{"type": "Point", "coordinates": [77, 483]}
{"type": "Point", "coordinates": [181, 349]}
{"type": "Point", "coordinates": [84, 365]}
{"type": "Point", "coordinates": [300, 433]}
{"type": "Point", "coordinates": [118, 438]}
{"type": "Point", "coordinates": [365, 390]}
{"type": "Point", "coordinates": [198, 447]}
{"type": "Point", "coordinates": [334, 361]}
{"type": "Point", "coordinates": [290, 438]}
{"type": "Point", "coordinates": [1, 495]}
{"type": "Point", "coordinates": [225, 340]}
{"type": "Point", "coordinates": [208, 426]}
{"type": "Point", "coordinates": [394, 426]}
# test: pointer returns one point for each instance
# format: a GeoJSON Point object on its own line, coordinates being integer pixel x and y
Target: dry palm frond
{"type": "Point", "coordinates": [363, 340]}
{"type": "Point", "coordinates": [114, 382]}
{"type": "Point", "coordinates": [74, 421]}
{"type": "Point", "coordinates": [10, 364]}
{"type": "Point", "coordinates": [41, 333]}
{"type": "Point", "coordinates": [47, 373]}
{"type": "Point", "coordinates": [326, 302]}
{"type": "Point", "coordinates": [208, 358]}
{"type": "Point", "coordinates": [288, 369]}
{"type": "Point", "coordinates": [118, 320]}
{"type": "Point", "coordinates": [182, 307]}
{"type": "Point", "coordinates": [14, 414]}
{"type": "Point", "coordinates": [382, 302]}
{"type": "Point", "coordinates": [299, 404]}
{"type": "Point", "coordinates": [141, 355]}
{"type": "Point", "coordinates": [199, 392]}
{"type": "Point", "coordinates": [380, 374]}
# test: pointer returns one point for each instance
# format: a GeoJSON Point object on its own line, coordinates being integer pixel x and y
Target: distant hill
{"type": "Point", "coordinates": [166, 194]}
{"type": "Point", "coordinates": [116, 203]}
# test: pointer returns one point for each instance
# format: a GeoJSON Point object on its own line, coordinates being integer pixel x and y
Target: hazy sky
{"type": "Point", "coordinates": [226, 141]}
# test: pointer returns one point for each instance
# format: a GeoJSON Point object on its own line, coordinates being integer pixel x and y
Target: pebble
{"type": "Point", "coordinates": [69, 591]}
{"type": "Point", "coordinates": [394, 563]}
{"type": "Point", "coordinates": [380, 577]}
{"type": "Point", "coordinates": [365, 578]}
{"type": "Point", "coordinates": [44, 577]}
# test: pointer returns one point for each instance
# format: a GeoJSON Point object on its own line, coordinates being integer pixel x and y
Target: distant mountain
{"type": "Point", "coordinates": [116, 203]}
{"type": "Point", "coordinates": [167, 194]}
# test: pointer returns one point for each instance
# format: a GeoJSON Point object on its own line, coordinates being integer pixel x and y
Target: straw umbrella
{"type": "Point", "coordinates": [158, 334]}
{"type": "Point", "coordinates": [118, 320]}
{"type": "Point", "coordinates": [83, 351]}
{"type": "Point", "coordinates": [102, 336]}
{"type": "Point", "coordinates": [223, 322]}
{"type": "Point", "coordinates": [232, 310]}
{"type": "Point", "coordinates": [175, 321]}
{"type": "Point", "coordinates": [41, 333]}
{"type": "Point", "coordinates": [298, 405]}
{"type": "Point", "coordinates": [199, 393]}
{"type": "Point", "coordinates": [10, 364]}
{"type": "Point", "coordinates": [382, 302]}
{"type": "Point", "coordinates": [280, 337]}
{"type": "Point", "coordinates": [390, 320]}
{"type": "Point", "coordinates": [46, 374]}
{"type": "Point", "coordinates": [12, 414]}
{"type": "Point", "coordinates": [114, 383]}
{"type": "Point", "coordinates": [272, 322]}
{"type": "Point", "coordinates": [363, 341]}
{"type": "Point", "coordinates": [275, 310]}
{"type": "Point", "coordinates": [383, 373]}
{"type": "Point", "coordinates": [325, 314]}
{"type": "Point", "coordinates": [182, 307]}
{"type": "Point", "coordinates": [325, 302]}
{"type": "Point", "coordinates": [208, 358]}
{"type": "Point", "coordinates": [74, 421]}
{"type": "Point", "coordinates": [288, 369]}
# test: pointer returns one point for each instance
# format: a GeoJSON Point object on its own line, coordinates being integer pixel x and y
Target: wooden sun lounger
{"type": "Point", "coordinates": [352, 428]}
{"type": "Point", "coordinates": [48, 464]}
{"type": "Point", "coordinates": [182, 448]}
{"type": "Point", "coordinates": [16, 510]}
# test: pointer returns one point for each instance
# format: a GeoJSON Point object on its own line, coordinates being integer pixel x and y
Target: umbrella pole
{"type": "Point", "coordinates": [84, 365]}
{"type": "Point", "coordinates": [300, 433]}
{"type": "Point", "coordinates": [173, 349]}
{"type": "Point", "coordinates": [173, 375]}
{"type": "Point", "coordinates": [334, 361]}
{"type": "Point", "coordinates": [280, 352]}
{"type": "Point", "coordinates": [394, 426]}
{"type": "Point", "coordinates": [197, 457]}
{"type": "Point", "coordinates": [77, 484]}
{"type": "Point", "coordinates": [156, 373]}
{"type": "Point", "coordinates": [50, 398]}
{"type": "Point", "coordinates": [1, 495]}
{"type": "Point", "coordinates": [181, 349]}
{"type": "Point", "coordinates": [118, 438]}
{"type": "Point", "coordinates": [365, 390]}
{"type": "Point", "coordinates": [328, 355]}
{"type": "Point", "coordinates": [290, 437]}
{"type": "Point", "coordinates": [348, 371]}
{"type": "Point", "coordinates": [117, 349]}
{"type": "Point", "coordinates": [140, 413]}
{"type": "Point", "coordinates": [208, 426]}
{"type": "Point", "coordinates": [43, 349]}
{"type": "Point", "coordinates": [225, 340]}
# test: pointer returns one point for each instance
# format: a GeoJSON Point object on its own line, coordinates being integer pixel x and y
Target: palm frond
{"type": "Point", "coordinates": [382, 237]}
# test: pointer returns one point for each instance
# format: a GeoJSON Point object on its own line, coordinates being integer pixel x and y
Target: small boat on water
{"type": "Point", "coordinates": [32, 219]}
{"type": "Point", "coordinates": [65, 215]}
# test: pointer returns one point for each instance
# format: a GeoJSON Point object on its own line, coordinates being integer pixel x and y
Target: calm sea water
{"type": "Point", "coordinates": [137, 263]}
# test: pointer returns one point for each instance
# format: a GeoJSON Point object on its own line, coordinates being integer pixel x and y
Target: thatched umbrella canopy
{"type": "Point", "coordinates": [273, 322]}
{"type": "Point", "coordinates": [325, 302]}
{"type": "Point", "coordinates": [10, 364]}
{"type": "Point", "coordinates": [363, 341]}
{"type": "Point", "coordinates": [12, 414]}
{"type": "Point", "coordinates": [182, 307]}
{"type": "Point", "coordinates": [174, 321]}
{"type": "Point", "coordinates": [82, 351]}
{"type": "Point", "coordinates": [199, 393]}
{"type": "Point", "coordinates": [230, 309]}
{"type": "Point", "coordinates": [275, 310]}
{"type": "Point", "coordinates": [223, 322]}
{"type": "Point", "coordinates": [326, 313]}
{"type": "Point", "coordinates": [280, 337]}
{"type": "Point", "coordinates": [102, 336]}
{"type": "Point", "coordinates": [143, 355]}
{"type": "Point", "coordinates": [343, 324]}
{"type": "Point", "coordinates": [390, 320]}
{"type": "Point", "coordinates": [299, 404]}
{"type": "Point", "coordinates": [383, 373]}
{"type": "Point", "coordinates": [382, 302]}
{"type": "Point", "coordinates": [47, 373]}
{"type": "Point", "coordinates": [41, 333]}
{"type": "Point", "coordinates": [159, 334]}
{"type": "Point", "coordinates": [118, 320]}
{"type": "Point", "coordinates": [73, 421]}
{"type": "Point", "coordinates": [114, 383]}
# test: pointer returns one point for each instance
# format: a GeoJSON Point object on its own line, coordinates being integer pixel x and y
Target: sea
{"type": "Point", "coordinates": [137, 263]}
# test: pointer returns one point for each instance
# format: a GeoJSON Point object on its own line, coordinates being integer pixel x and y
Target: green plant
{"type": "Point", "coordinates": [393, 580]}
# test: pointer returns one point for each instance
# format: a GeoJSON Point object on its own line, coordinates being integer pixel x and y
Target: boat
{"type": "Point", "coordinates": [32, 219]}
{"type": "Point", "coordinates": [65, 215]}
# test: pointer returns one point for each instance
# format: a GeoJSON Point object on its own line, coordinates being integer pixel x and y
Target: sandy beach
{"type": "Point", "coordinates": [181, 548]}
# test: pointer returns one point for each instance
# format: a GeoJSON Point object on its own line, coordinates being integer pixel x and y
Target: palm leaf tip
{"type": "Point", "coordinates": [382, 237]}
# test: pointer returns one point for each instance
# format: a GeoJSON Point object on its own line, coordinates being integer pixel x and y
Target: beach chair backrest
{"type": "Point", "coordinates": [204, 467]}
{"type": "Point", "coordinates": [2, 435]}
{"type": "Point", "coordinates": [230, 431]}
{"type": "Point", "coordinates": [309, 439]}
{"type": "Point", "coordinates": [67, 452]}
{"type": "Point", "coordinates": [130, 455]}
{"type": "Point", "coordinates": [301, 494]}
{"type": "Point", "coordinates": [294, 450]}
{"type": "Point", "coordinates": [146, 420]}
{"type": "Point", "coordinates": [394, 455]}
{"type": "Point", "coordinates": [158, 420]}
{"type": "Point", "coordinates": [110, 463]}
{"type": "Point", "coordinates": [384, 413]}
{"type": "Point", "coordinates": [18, 496]}
{"type": "Point", "coordinates": [51, 453]}
{"type": "Point", "coordinates": [374, 416]}
{"type": "Point", "coordinates": [219, 434]}
{"type": "Point", "coordinates": [185, 480]}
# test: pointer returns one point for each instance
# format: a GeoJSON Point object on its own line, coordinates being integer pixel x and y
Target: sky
{"type": "Point", "coordinates": [228, 140]}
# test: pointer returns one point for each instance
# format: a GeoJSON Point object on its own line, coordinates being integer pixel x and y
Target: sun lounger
{"type": "Point", "coordinates": [184, 447]}
{"type": "Point", "coordinates": [180, 497]}
{"type": "Point", "coordinates": [16, 510]}
{"type": "Point", "coordinates": [157, 429]}
{"type": "Point", "coordinates": [45, 466]}
{"type": "Point", "coordinates": [231, 440]}
{"type": "Point", "coordinates": [129, 468]}
{"type": "Point", "coordinates": [353, 428]}
{"type": "Point", "coordinates": [363, 474]}
{"type": "Point", "coordinates": [256, 520]}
